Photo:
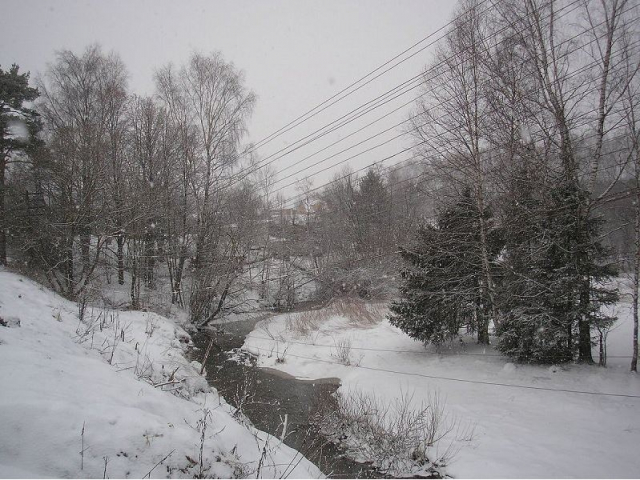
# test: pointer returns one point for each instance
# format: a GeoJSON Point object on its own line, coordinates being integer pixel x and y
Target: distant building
{"type": "Point", "coordinates": [297, 215]}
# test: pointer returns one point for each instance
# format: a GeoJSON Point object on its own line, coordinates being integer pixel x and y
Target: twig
{"type": "Point", "coordinates": [167, 383]}
{"type": "Point", "coordinates": [284, 427]}
{"type": "Point", "coordinates": [262, 457]}
{"type": "Point", "coordinates": [206, 355]}
{"type": "Point", "coordinates": [148, 475]}
{"type": "Point", "coordinates": [82, 448]}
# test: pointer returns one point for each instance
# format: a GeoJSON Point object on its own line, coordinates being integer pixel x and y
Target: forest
{"type": "Point", "coordinates": [518, 203]}
{"type": "Point", "coordinates": [506, 229]}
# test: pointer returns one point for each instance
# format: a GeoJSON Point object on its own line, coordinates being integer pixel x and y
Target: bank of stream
{"type": "Point", "coordinates": [266, 396]}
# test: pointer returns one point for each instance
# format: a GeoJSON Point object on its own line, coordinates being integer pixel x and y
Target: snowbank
{"type": "Point", "coordinates": [79, 398]}
{"type": "Point", "coordinates": [520, 432]}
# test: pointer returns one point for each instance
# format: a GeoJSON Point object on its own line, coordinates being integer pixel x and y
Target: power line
{"type": "Point", "coordinates": [391, 350]}
{"type": "Point", "coordinates": [292, 200]}
{"type": "Point", "coordinates": [293, 146]}
{"type": "Point", "coordinates": [385, 115]}
{"type": "Point", "coordinates": [463, 380]}
{"type": "Point", "coordinates": [582, 69]}
{"type": "Point", "coordinates": [333, 99]}
{"type": "Point", "coordinates": [404, 105]}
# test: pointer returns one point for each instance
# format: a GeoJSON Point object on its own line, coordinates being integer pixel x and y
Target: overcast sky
{"type": "Point", "coordinates": [294, 54]}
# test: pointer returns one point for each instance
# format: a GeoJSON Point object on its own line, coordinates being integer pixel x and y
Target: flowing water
{"type": "Point", "coordinates": [266, 396]}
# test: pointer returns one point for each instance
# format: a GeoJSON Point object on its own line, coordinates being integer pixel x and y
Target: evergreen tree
{"type": "Point", "coordinates": [553, 278]}
{"type": "Point", "coordinates": [442, 288]}
{"type": "Point", "coordinates": [373, 214]}
{"type": "Point", "coordinates": [428, 310]}
{"type": "Point", "coordinates": [18, 126]}
{"type": "Point", "coordinates": [533, 326]}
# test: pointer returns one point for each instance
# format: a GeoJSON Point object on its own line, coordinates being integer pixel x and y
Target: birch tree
{"type": "Point", "coordinates": [450, 129]}
{"type": "Point", "coordinates": [209, 103]}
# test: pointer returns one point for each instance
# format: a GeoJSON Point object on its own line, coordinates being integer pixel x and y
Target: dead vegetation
{"type": "Point", "coordinates": [359, 313]}
{"type": "Point", "coordinates": [400, 438]}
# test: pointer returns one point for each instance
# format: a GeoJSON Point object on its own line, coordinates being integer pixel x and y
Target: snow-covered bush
{"type": "Point", "coordinates": [398, 438]}
{"type": "Point", "coordinates": [342, 351]}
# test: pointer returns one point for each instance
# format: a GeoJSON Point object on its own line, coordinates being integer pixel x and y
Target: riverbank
{"type": "Point", "coordinates": [111, 394]}
{"type": "Point", "coordinates": [274, 401]}
{"type": "Point", "coordinates": [529, 420]}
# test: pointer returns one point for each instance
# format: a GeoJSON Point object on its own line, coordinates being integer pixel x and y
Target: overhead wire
{"type": "Point", "coordinates": [574, 4]}
{"type": "Point", "coordinates": [334, 98]}
{"type": "Point", "coordinates": [581, 70]}
{"type": "Point", "coordinates": [462, 380]}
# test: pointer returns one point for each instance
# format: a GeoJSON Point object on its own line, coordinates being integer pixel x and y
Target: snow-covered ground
{"type": "Point", "coordinates": [114, 393]}
{"type": "Point", "coordinates": [527, 424]}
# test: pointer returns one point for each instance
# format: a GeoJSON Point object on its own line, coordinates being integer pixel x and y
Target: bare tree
{"type": "Point", "coordinates": [564, 105]}
{"type": "Point", "coordinates": [632, 113]}
{"type": "Point", "coordinates": [210, 106]}
{"type": "Point", "coordinates": [82, 97]}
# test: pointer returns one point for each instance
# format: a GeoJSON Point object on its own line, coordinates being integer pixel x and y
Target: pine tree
{"type": "Point", "coordinates": [14, 92]}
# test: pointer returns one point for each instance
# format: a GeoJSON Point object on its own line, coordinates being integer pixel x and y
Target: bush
{"type": "Point", "coordinates": [398, 438]}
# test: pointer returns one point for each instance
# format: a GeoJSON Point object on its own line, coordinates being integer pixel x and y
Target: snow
{"type": "Point", "coordinates": [520, 432]}
{"type": "Point", "coordinates": [60, 375]}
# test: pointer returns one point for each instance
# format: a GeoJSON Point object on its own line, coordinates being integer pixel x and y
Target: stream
{"type": "Point", "coordinates": [268, 395]}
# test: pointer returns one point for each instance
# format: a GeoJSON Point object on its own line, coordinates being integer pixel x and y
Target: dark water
{"type": "Point", "coordinates": [266, 396]}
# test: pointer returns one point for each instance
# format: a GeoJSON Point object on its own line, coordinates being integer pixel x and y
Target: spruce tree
{"type": "Point", "coordinates": [534, 325]}
{"type": "Point", "coordinates": [554, 278]}
{"type": "Point", "coordinates": [442, 287]}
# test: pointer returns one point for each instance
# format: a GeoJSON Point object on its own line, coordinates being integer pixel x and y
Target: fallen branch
{"type": "Point", "coordinates": [172, 382]}
{"type": "Point", "coordinates": [206, 355]}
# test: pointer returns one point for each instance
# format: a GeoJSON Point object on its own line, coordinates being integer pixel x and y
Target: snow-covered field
{"type": "Point", "coordinates": [114, 396]}
{"type": "Point", "coordinates": [527, 424]}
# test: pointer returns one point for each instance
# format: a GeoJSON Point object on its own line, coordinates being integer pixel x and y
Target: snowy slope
{"type": "Point", "coordinates": [59, 375]}
{"type": "Point", "coordinates": [519, 432]}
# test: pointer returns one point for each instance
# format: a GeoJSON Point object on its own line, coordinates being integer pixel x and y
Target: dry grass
{"type": "Point", "coordinates": [399, 438]}
{"type": "Point", "coordinates": [342, 352]}
{"type": "Point", "coordinates": [303, 323]}
{"type": "Point", "coordinates": [359, 313]}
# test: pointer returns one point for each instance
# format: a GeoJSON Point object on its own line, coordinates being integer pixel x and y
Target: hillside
{"type": "Point", "coordinates": [115, 396]}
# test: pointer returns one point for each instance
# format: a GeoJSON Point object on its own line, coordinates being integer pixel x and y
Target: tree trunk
{"type": "Point", "coordinates": [3, 226]}
{"type": "Point", "coordinates": [176, 291]}
{"type": "Point", "coordinates": [150, 259]}
{"type": "Point", "coordinates": [584, 327]}
{"type": "Point", "coordinates": [135, 288]}
{"type": "Point", "coordinates": [120, 255]}
{"type": "Point", "coordinates": [69, 264]}
{"type": "Point", "coordinates": [636, 276]}
{"type": "Point", "coordinates": [486, 283]}
{"type": "Point", "coordinates": [85, 244]}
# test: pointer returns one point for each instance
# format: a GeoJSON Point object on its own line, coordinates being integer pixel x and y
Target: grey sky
{"type": "Point", "coordinates": [294, 53]}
